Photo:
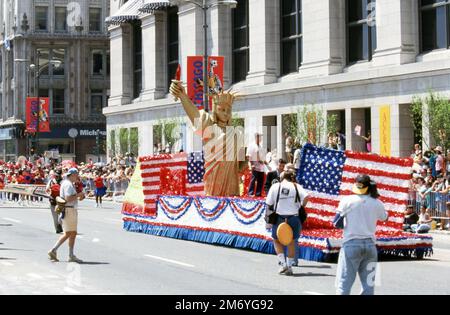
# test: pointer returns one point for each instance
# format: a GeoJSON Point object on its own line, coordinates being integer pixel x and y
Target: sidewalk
{"type": "Point", "coordinates": [440, 232]}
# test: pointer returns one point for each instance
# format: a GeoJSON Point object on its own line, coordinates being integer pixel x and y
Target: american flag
{"type": "Point", "coordinates": [196, 171]}
{"type": "Point", "coordinates": [168, 173]}
{"type": "Point", "coordinates": [329, 175]}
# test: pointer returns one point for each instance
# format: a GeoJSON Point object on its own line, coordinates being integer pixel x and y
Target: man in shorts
{"type": "Point", "coordinates": [69, 216]}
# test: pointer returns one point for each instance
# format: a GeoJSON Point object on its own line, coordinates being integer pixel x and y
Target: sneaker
{"type": "Point", "coordinates": [74, 259]}
{"type": "Point", "coordinates": [289, 272]}
{"type": "Point", "coordinates": [52, 256]}
{"type": "Point", "coordinates": [282, 270]}
{"type": "Point", "coordinates": [96, 205]}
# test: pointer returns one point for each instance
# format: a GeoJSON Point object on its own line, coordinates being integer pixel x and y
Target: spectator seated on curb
{"type": "Point", "coordinates": [411, 218]}
{"type": "Point", "coordinates": [424, 223]}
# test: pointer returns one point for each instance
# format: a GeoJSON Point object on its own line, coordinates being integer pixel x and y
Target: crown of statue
{"type": "Point", "coordinates": [225, 99]}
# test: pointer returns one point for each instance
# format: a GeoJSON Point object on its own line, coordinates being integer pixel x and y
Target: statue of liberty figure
{"type": "Point", "coordinates": [223, 145]}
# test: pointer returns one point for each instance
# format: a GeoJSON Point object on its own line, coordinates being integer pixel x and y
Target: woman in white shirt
{"type": "Point", "coordinates": [291, 197]}
{"type": "Point", "coordinates": [358, 254]}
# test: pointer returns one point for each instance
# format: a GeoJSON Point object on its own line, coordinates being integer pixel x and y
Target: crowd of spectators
{"type": "Point", "coordinates": [430, 185]}
{"type": "Point", "coordinates": [116, 175]}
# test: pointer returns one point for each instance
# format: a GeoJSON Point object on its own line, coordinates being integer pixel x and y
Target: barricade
{"type": "Point", "coordinates": [436, 203]}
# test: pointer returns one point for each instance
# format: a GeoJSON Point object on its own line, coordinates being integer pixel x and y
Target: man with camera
{"type": "Point", "coordinates": [69, 215]}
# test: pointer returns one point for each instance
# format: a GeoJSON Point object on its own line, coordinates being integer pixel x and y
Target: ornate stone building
{"type": "Point", "coordinates": [69, 41]}
{"type": "Point", "coordinates": [350, 57]}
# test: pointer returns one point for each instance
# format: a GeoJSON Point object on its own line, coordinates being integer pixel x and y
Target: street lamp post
{"type": "Point", "coordinates": [205, 7]}
{"type": "Point", "coordinates": [36, 137]}
{"type": "Point", "coordinates": [28, 69]}
{"type": "Point", "coordinates": [36, 67]}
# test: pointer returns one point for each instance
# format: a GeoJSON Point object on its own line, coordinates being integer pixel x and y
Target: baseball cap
{"type": "Point", "coordinates": [72, 171]}
{"type": "Point", "coordinates": [362, 184]}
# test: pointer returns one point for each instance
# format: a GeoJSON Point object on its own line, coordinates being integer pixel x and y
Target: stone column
{"type": "Point", "coordinates": [121, 66]}
{"type": "Point", "coordinates": [145, 140]}
{"type": "Point", "coordinates": [397, 32]}
{"type": "Point", "coordinates": [154, 60]}
{"type": "Point", "coordinates": [264, 41]}
{"type": "Point", "coordinates": [220, 43]}
{"type": "Point", "coordinates": [323, 37]}
{"type": "Point", "coordinates": [190, 34]}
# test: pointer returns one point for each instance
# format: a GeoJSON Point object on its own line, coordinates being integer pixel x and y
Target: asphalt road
{"type": "Point", "coordinates": [118, 262]}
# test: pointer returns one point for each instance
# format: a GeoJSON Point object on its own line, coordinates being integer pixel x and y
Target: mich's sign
{"type": "Point", "coordinates": [74, 133]}
{"type": "Point", "coordinates": [91, 133]}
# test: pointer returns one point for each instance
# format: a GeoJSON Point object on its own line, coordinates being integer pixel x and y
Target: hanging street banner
{"type": "Point", "coordinates": [385, 130]}
{"type": "Point", "coordinates": [35, 113]}
{"type": "Point", "coordinates": [195, 78]}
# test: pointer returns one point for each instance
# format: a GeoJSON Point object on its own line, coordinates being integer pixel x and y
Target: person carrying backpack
{"type": "Point", "coordinates": [53, 188]}
{"type": "Point", "coordinates": [286, 199]}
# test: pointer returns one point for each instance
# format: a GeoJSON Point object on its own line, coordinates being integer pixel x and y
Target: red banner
{"type": "Point", "coordinates": [33, 111]}
{"type": "Point", "coordinates": [195, 78]}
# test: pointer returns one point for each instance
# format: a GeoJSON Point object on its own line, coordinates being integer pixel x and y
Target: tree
{"type": "Point", "coordinates": [123, 140]}
{"type": "Point", "coordinates": [112, 143]}
{"type": "Point", "coordinates": [134, 141]}
{"type": "Point", "coordinates": [167, 131]}
{"type": "Point", "coordinates": [236, 121]}
{"type": "Point", "coordinates": [432, 114]}
{"type": "Point", "coordinates": [308, 124]}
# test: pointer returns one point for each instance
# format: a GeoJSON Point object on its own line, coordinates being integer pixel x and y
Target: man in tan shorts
{"type": "Point", "coordinates": [70, 217]}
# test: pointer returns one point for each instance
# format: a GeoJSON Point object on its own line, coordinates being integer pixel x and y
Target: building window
{"type": "Point", "coordinates": [95, 18]}
{"type": "Point", "coordinates": [58, 57]}
{"type": "Point", "coordinates": [96, 102]}
{"type": "Point", "coordinates": [108, 63]}
{"type": "Point", "coordinates": [41, 18]}
{"type": "Point", "coordinates": [172, 44]}
{"type": "Point", "coordinates": [58, 101]}
{"type": "Point", "coordinates": [137, 53]}
{"type": "Point", "coordinates": [240, 41]}
{"type": "Point", "coordinates": [44, 58]}
{"type": "Point", "coordinates": [291, 36]}
{"type": "Point", "coordinates": [57, 65]}
{"type": "Point", "coordinates": [361, 30]}
{"type": "Point", "coordinates": [435, 24]}
{"type": "Point", "coordinates": [97, 62]}
{"type": "Point", "coordinates": [60, 19]}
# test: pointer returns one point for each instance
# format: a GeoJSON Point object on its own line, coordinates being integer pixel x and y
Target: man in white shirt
{"type": "Point", "coordinates": [287, 209]}
{"type": "Point", "coordinates": [256, 155]}
{"type": "Point", "coordinates": [70, 216]}
{"type": "Point", "coordinates": [358, 254]}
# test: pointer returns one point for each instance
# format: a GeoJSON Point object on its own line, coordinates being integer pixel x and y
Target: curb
{"type": "Point", "coordinates": [439, 232]}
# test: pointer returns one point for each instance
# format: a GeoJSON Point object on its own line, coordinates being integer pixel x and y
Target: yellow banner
{"type": "Point", "coordinates": [385, 130]}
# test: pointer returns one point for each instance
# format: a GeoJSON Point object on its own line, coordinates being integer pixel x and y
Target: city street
{"type": "Point", "coordinates": [118, 262]}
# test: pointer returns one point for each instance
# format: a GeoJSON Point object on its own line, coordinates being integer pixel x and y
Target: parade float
{"type": "Point", "coordinates": [196, 197]}
{"type": "Point", "coordinates": [162, 201]}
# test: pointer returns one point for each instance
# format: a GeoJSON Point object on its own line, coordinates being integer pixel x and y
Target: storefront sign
{"type": "Point", "coordinates": [74, 133]}
{"type": "Point", "coordinates": [385, 130]}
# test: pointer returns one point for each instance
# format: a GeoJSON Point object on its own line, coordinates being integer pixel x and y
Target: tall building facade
{"type": "Point", "coordinates": [361, 60]}
{"type": "Point", "coordinates": [69, 42]}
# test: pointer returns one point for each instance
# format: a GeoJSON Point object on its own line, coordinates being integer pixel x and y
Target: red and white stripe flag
{"type": "Point", "coordinates": [167, 174]}
{"type": "Point", "coordinates": [329, 175]}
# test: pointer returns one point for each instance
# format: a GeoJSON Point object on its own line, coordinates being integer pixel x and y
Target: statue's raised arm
{"type": "Point", "coordinates": [177, 90]}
